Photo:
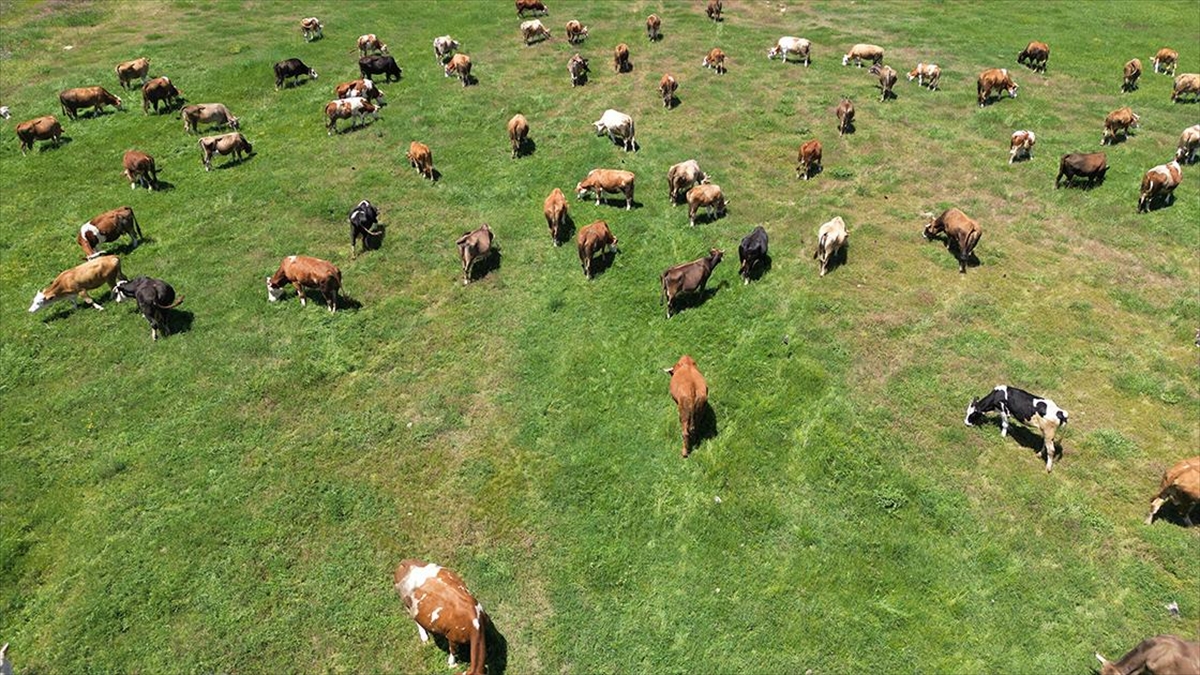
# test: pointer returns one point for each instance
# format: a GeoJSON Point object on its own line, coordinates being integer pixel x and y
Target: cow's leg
{"type": "Point", "coordinates": [1154, 507]}
{"type": "Point", "coordinates": [421, 632]}
{"type": "Point", "coordinates": [84, 297]}
{"type": "Point", "coordinates": [300, 292]}
{"type": "Point", "coordinates": [1003, 421]}
{"type": "Point", "coordinates": [450, 660]}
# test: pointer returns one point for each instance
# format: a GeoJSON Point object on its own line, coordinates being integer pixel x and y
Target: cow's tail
{"type": "Point", "coordinates": [972, 240]}
{"type": "Point", "coordinates": [663, 283]}
{"type": "Point", "coordinates": [133, 217]}
{"type": "Point", "coordinates": [178, 302]}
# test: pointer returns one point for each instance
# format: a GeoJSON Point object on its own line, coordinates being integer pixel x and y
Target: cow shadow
{"type": "Point", "coordinates": [626, 67]}
{"type": "Point", "coordinates": [374, 242]}
{"type": "Point", "coordinates": [299, 83]}
{"type": "Point", "coordinates": [128, 246]}
{"type": "Point", "coordinates": [840, 258]}
{"type": "Point", "coordinates": [527, 147]}
{"type": "Point", "coordinates": [685, 301]}
{"type": "Point", "coordinates": [344, 302]}
{"type": "Point", "coordinates": [850, 129]}
{"type": "Point", "coordinates": [62, 140]}
{"type": "Point", "coordinates": [1173, 514]}
{"type": "Point", "coordinates": [437, 175]}
{"type": "Point", "coordinates": [1191, 101]}
{"type": "Point", "coordinates": [621, 144]}
{"type": "Point", "coordinates": [497, 649]}
{"type": "Point", "coordinates": [178, 321]}
{"type": "Point", "coordinates": [659, 37]}
{"type": "Point", "coordinates": [353, 128]}
{"type": "Point", "coordinates": [163, 186]}
{"type": "Point", "coordinates": [1119, 139]}
{"type": "Point", "coordinates": [673, 103]}
{"type": "Point", "coordinates": [93, 113]}
{"type": "Point", "coordinates": [566, 231]}
{"type": "Point", "coordinates": [889, 95]}
{"type": "Point", "coordinates": [702, 216]}
{"type": "Point", "coordinates": [583, 80]}
{"type": "Point", "coordinates": [472, 80]}
{"type": "Point", "coordinates": [1026, 437]}
{"type": "Point", "coordinates": [602, 262]}
{"type": "Point", "coordinates": [234, 161]}
{"type": "Point", "coordinates": [1160, 202]}
{"type": "Point", "coordinates": [706, 424]}
{"type": "Point", "coordinates": [1083, 183]}
{"type": "Point", "coordinates": [487, 265]}
{"type": "Point", "coordinates": [763, 266]}
{"type": "Point", "coordinates": [65, 308]}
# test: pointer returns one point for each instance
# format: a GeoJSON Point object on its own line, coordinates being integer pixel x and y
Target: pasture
{"type": "Point", "coordinates": [234, 498]}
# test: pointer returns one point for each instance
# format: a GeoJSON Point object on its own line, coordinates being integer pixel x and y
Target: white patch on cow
{"type": "Point", "coordinates": [1003, 388]}
{"type": "Point", "coordinates": [88, 228]}
{"type": "Point", "coordinates": [434, 617]}
{"type": "Point", "coordinates": [39, 301]}
{"type": "Point", "coordinates": [416, 578]}
{"type": "Point", "coordinates": [475, 622]}
{"type": "Point", "coordinates": [970, 413]}
{"type": "Point", "coordinates": [292, 258]}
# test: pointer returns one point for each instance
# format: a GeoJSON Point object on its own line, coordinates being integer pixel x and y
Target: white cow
{"type": "Point", "coordinates": [791, 45]}
{"type": "Point", "coordinates": [442, 46]}
{"type": "Point", "coordinates": [618, 126]}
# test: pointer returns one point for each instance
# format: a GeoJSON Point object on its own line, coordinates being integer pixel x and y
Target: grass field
{"type": "Point", "coordinates": [234, 498]}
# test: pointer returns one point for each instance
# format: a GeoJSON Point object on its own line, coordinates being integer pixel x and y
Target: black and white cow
{"type": "Point", "coordinates": [1040, 413]}
{"type": "Point", "coordinates": [363, 219]}
{"type": "Point", "coordinates": [153, 296]}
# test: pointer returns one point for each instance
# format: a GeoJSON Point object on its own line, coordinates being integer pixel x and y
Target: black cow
{"type": "Point", "coordinates": [752, 251]}
{"type": "Point", "coordinates": [379, 65]}
{"type": "Point", "coordinates": [1089, 165]}
{"type": "Point", "coordinates": [689, 277]}
{"type": "Point", "coordinates": [293, 68]}
{"type": "Point", "coordinates": [1032, 410]}
{"type": "Point", "coordinates": [363, 219]}
{"type": "Point", "coordinates": [153, 296]}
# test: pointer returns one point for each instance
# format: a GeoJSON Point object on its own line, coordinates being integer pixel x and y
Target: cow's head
{"type": "Point", "coordinates": [970, 413]}
{"type": "Point", "coordinates": [932, 227]}
{"type": "Point", "coordinates": [39, 301]}
{"type": "Point", "coordinates": [116, 100]}
{"type": "Point", "coordinates": [773, 52]}
{"type": "Point", "coordinates": [312, 73]}
{"type": "Point", "coordinates": [581, 191]}
{"type": "Point", "coordinates": [233, 122]}
{"type": "Point", "coordinates": [600, 127]}
{"type": "Point", "coordinates": [274, 293]}
{"type": "Point", "coordinates": [118, 292]}
{"type": "Point", "coordinates": [716, 254]}
{"type": "Point", "coordinates": [846, 60]}
{"type": "Point", "coordinates": [1012, 89]}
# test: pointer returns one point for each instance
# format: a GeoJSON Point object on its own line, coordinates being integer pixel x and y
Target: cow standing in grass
{"type": "Point", "coordinates": [621, 62]}
{"type": "Point", "coordinates": [576, 32]}
{"type": "Point", "coordinates": [715, 59]}
{"type": "Point", "coordinates": [1036, 411]}
{"type": "Point", "coordinates": [689, 277]}
{"type": "Point", "coordinates": [77, 281]}
{"type": "Point", "coordinates": [1091, 165]}
{"type": "Point", "coordinates": [518, 133]}
{"type": "Point", "coordinates": [1165, 61]}
{"type": "Point", "coordinates": [106, 227]}
{"type": "Point", "coordinates": [129, 71]}
{"type": "Point", "coordinates": [1187, 83]}
{"type": "Point", "coordinates": [926, 75]}
{"type": "Point", "coordinates": [791, 45]}
{"type": "Point", "coordinates": [1181, 486]}
{"type": "Point", "coordinates": [38, 129]}
{"type": "Point", "coordinates": [306, 272]}
{"type": "Point", "coordinates": [233, 143]}
{"type": "Point", "coordinates": [292, 69]}
{"type": "Point", "coordinates": [72, 100]}
{"type": "Point", "coordinates": [474, 246]}
{"type": "Point", "coordinates": [962, 233]}
{"type": "Point", "coordinates": [653, 27]}
{"type": "Point", "coordinates": [994, 80]}
{"type": "Point", "coordinates": [831, 238]}
{"type": "Point", "coordinates": [1160, 181]}
{"type": "Point", "coordinates": [438, 600]}
{"type": "Point", "coordinates": [1132, 72]}
{"type": "Point", "coordinates": [207, 113]}
{"type": "Point", "coordinates": [153, 297]}
{"type": "Point", "coordinates": [140, 169]}
{"type": "Point", "coordinates": [311, 28]}
{"type": "Point", "coordinates": [690, 392]}
{"type": "Point", "coordinates": [555, 210]}
{"type": "Point", "coordinates": [681, 177]}
{"type": "Point", "coordinates": [159, 90]}
{"type": "Point", "coordinates": [1120, 120]}
{"type": "Point", "coordinates": [420, 157]}
{"type": "Point", "coordinates": [443, 46]}
{"type": "Point", "coordinates": [1189, 142]}
{"type": "Point", "coordinates": [752, 251]}
{"type": "Point", "coordinates": [667, 87]}
{"type": "Point", "coordinates": [808, 159]}
{"type": "Point", "coordinates": [1035, 56]}
{"type": "Point", "coordinates": [577, 67]}
{"type": "Point", "coordinates": [363, 219]}
{"type": "Point", "coordinates": [1021, 145]}
{"type": "Point", "coordinates": [599, 181]}
{"type": "Point", "coordinates": [845, 116]}
{"type": "Point", "coordinates": [460, 64]}
{"type": "Point", "coordinates": [863, 52]}
{"type": "Point", "coordinates": [887, 80]}
{"type": "Point", "coordinates": [593, 239]}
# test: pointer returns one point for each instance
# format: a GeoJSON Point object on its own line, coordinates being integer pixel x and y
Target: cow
{"type": "Point", "coordinates": [140, 169]}
{"type": "Point", "coordinates": [231, 143]}
{"type": "Point", "coordinates": [38, 129]}
{"type": "Point", "coordinates": [887, 80]}
{"type": "Point", "coordinates": [533, 31]}
{"type": "Point", "coordinates": [472, 247]}
{"type": "Point", "coordinates": [129, 71]}
{"type": "Point", "coordinates": [706, 196]}
{"type": "Point", "coordinates": [1090, 165]}
{"type": "Point", "coordinates": [926, 75]}
{"type": "Point", "coordinates": [962, 233]}
{"type": "Point", "coordinates": [1180, 486]}
{"type": "Point", "coordinates": [354, 109]}
{"type": "Point", "coordinates": [831, 238]}
{"type": "Point", "coordinates": [1021, 145]}
{"type": "Point", "coordinates": [420, 157]}
{"type": "Point", "coordinates": [361, 87]}
{"type": "Point", "coordinates": [369, 43]}
{"type": "Point", "coordinates": [1035, 55]}
{"type": "Point", "coordinates": [78, 280]}
{"type": "Point", "coordinates": [1036, 411]}
{"type": "Point", "coordinates": [667, 87]}
{"type": "Point", "coordinates": [578, 68]}
{"type": "Point", "coordinates": [160, 89]}
{"type": "Point", "coordinates": [379, 65]}
{"type": "Point", "coordinates": [532, 6]}
{"type": "Point", "coordinates": [555, 210]}
{"type": "Point", "coordinates": [681, 177]}
{"type": "Point", "coordinates": [5, 112]}
{"type": "Point", "coordinates": [653, 27]}
{"type": "Point", "coordinates": [1165, 61]}
{"type": "Point", "coordinates": [808, 159]}
{"type": "Point", "coordinates": [518, 133]}
{"type": "Point", "coordinates": [690, 392]}
{"type": "Point", "coordinates": [845, 116]}
{"type": "Point", "coordinates": [1120, 120]}
{"type": "Point", "coordinates": [107, 226]}
{"type": "Point", "coordinates": [863, 52]}
{"type": "Point", "coordinates": [442, 46]}
{"type": "Point", "coordinates": [576, 32]}
{"type": "Point", "coordinates": [153, 297]}
{"type": "Point", "coordinates": [306, 272]}
{"type": "Point", "coordinates": [460, 64]}
{"type": "Point", "coordinates": [715, 59]}
{"type": "Point", "coordinates": [994, 79]}
{"type": "Point", "coordinates": [752, 251]}
{"type": "Point", "coordinates": [688, 277]}
{"type": "Point", "coordinates": [1160, 181]}
{"type": "Point", "coordinates": [438, 600]}
{"type": "Point", "coordinates": [592, 239]}
{"type": "Point", "coordinates": [1189, 142]}
{"type": "Point", "coordinates": [618, 126]}
{"type": "Point", "coordinates": [294, 69]}
{"type": "Point", "coordinates": [72, 100]}
{"type": "Point", "coordinates": [600, 181]}
{"type": "Point", "coordinates": [311, 28]}
{"type": "Point", "coordinates": [713, 10]}
{"type": "Point", "coordinates": [209, 113]}
{"type": "Point", "coordinates": [1133, 71]}
{"type": "Point", "coordinates": [1187, 83]}
{"type": "Point", "coordinates": [1159, 655]}
{"type": "Point", "coordinates": [621, 58]}
{"type": "Point", "coordinates": [363, 219]}
{"type": "Point", "coordinates": [790, 45]}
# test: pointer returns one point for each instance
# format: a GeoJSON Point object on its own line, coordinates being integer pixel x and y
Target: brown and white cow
{"type": "Point", "coordinates": [1091, 165]}
{"type": "Point", "coordinates": [577, 66]}
{"type": "Point", "coordinates": [233, 143]}
{"type": "Point", "coordinates": [160, 89]}
{"type": "Point", "coordinates": [1021, 145]}
{"type": "Point", "coordinates": [808, 159]}
{"type": "Point", "coordinates": [1160, 181]}
{"type": "Point", "coordinates": [706, 196]}
{"type": "Point", "coordinates": [363, 87]}
{"type": "Point", "coordinates": [140, 169]}
{"type": "Point", "coordinates": [207, 113]}
{"type": "Point", "coordinates": [354, 109]}
{"type": "Point", "coordinates": [690, 392]}
{"type": "Point", "coordinates": [599, 181]}
{"type": "Point", "coordinates": [311, 28]}
{"type": "Point", "coordinates": [78, 280]}
{"type": "Point", "coordinates": [472, 247]}
{"type": "Point", "coordinates": [1132, 71]}
{"type": "Point", "coordinates": [518, 133]}
{"type": "Point", "coordinates": [533, 31]}
{"type": "Point", "coordinates": [438, 600]}
{"type": "Point", "coordinates": [831, 238]}
{"type": "Point", "coordinates": [1165, 61]}
{"type": "Point", "coordinates": [555, 210]}
{"type": "Point", "coordinates": [38, 129]}
{"type": "Point", "coordinates": [593, 239]}
{"type": "Point", "coordinates": [715, 59]}
{"type": "Point", "coordinates": [1122, 120]}
{"type": "Point", "coordinates": [306, 272]}
{"type": "Point", "coordinates": [713, 10]}
{"type": "Point", "coordinates": [653, 27]}
{"type": "Point", "coordinates": [621, 58]}
{"type": "Point", "coordinates": [420, 157]}
{"type": "Point", "coordinates": [887, 80]}
{"type": "Point", "coordinates": [1035, 55]}
{"type": "Point", "coordinates": [681, 177]}
{"type": "Point", "coordinates": [532, 6]}
{"type": "Point", "coordinates": [72, 100]}
{"type": "Point", "coordinates": [667, 87]}
{"type": "Point", "coordinates": [442, 46]}
{"type": "Point", "coordinates": [1159, 655]}
{"type": "Point", "coordinates": [689, 277]}
{"type": "Point", "coordinates": [962, 233]}
{"type": "Point", "coordinates": [106, 227]}
{"type": "Point", "coordinates": [926, 75]}
{"type": "Point", "coordinates": [129, 71]}
{"type": "Point", "coordinates": [1189, 142]}
{"type": "Point", "coordinates": [576, 32]}
{"type": "Point", "coordinates": [1187, 83]}
{"type": "Point", "coordinates": [863, 52]}
{"type": "Point", "coordinates": [370, 44]}
{"type": "Point", "coordinates": [1180, 486]}
{"type": "Point", "coordinates": [997, 80]}
{"type": "Point", "coordinates": [790, 45]}
{"type": "Point", "coordinates": [459, 64]}
{"type": "Point", "coordinates": [845, 116]}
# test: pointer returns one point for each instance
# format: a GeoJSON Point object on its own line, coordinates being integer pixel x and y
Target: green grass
{"type": "Point", "coordinates": [235, 497]}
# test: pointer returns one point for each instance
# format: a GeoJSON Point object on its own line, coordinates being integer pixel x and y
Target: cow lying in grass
{"type": "Point", "coordinates": [1040, 413]}
{"type": "Point", "coordinates": [153, 296]}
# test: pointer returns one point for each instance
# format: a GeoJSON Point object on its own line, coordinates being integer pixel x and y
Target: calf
{"type": "Point", "coordinates": [667, 87]}
{"type": "Point", "coordinates": [600, 181]}
{"type": "Point", "coordinates": [532, 6]}
{"type": "Point", "coordinates": [460, 64]}
{"type": "Point", "coordinates": [305, 272]}
{"type": "Point", "coordinates": [926, 75]}
{"type": "Point", "coordinates": [533, 31]}
{"type": "Point", "coordinates": [78, 280]}
{"type": "Point", "coordinates": [1091, 165]}
{"type": "Point", "coordinates": [472, 247]}
{"type": "Point", "coordinates": [438, 600]}
{"type": "Point", "coordinates": [790, 45]}
{"type": "Point", "coordinates": [1189, 142]}
{"type": "Point", "coordinates": [363, 219]}
{"type": "Point", "coordinates": [1180, 486]}
{"type": "Point", "coordinates": [153, 296]}
{"type": "Point", "coordinates": [688, 277]}
{"type": "Point", "coordinates": [752, 252]}
{"type": "Point", "coordinates": [129, 71]}
{"type": "Point", "coordinates": [361, 87]}
{"type": "Point", "coordinates": [1040, 413]}
{"type": "Point", "coordinates": [1035, 56]}
{"type": "Point", "coordinates": [294, 69]}
{"type": "Point", "coordinates": [863, 52]}
{"type": "Point", "coordinates": [690, 392]}
{"type": "Point", "coordinates": [994, 79]}
{"type": "Point", "coordinates": [379, 65]}
{"type": "Point", "coordinates": [592, 239]}
{"type": "Point", "coordinates": [576, 32]}
{"type": "Point", "coordinates": [831, 238]}
{"type": "Point", "coordinates": [713, 10]}
{"type": "Point", "coordinates": [618, 126]}
{"type": "Point", "coordinates": [1118, 120]}
{"type": "Point", "coordinates": [887, 80]}
{"type": "Point", "coordinates": [1187, 83]}
{"type": "Point", "coordinates": [369, 43]}
{"type": "Point", "coordinates": [1133, 71]}
{"type": "Point", "coordinates": [311, 28]}
{"type": "Point", "coordinates": [555, 210]}
{"type": "Point", "coordinates": [706, 196]}
{"type": "Point", "coordinates": [72, 100]}
{"type": "Point", "coordinates": [107, 226]}
{"type": "Point", "coordinates": [518, 133]}
{"type": "Point", "coordinates": [577, 66]}
{"type": "Point", "coordinates": [845, 116]}
{"type": "Point", "coordinates": [160, 89]}
{"type": "Point", "coordinates": [1021, 145]}
{"type": "Point", "coordinates": [38, 129]}
{"type": "Point", "coordinates": [420, 157]}
{"type": "Point", "coordinates": [681, 177]}
{"type": "Point", "coordinates": [715, 60]}
{"type": "Point", "coordinates": [1159, 655]}
{"type": "Point", "coordinates": [808, 160]}
{"type": "Point", "coordinates": [207, 113]}
{"type": "Point", "coordinates": [1165, 61]}
{"type": "Point", "coordinates": [232, 143]}
{"type": "Point", "coordinates": [653, 27]}
{"type": "Point", "coordinates": [140, 169]}
{"type": "Point", "coordinates": [442, 46]}
{"type": "Point", "coordinates": [621, 58]}
{"type": "Point", "coordinates": [1160, 181]}
{"type": "Point", "coordinates": [961, 232]}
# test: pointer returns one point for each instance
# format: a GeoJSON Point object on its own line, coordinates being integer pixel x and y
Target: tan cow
{"type": "Point", "coordinates": [78, 280]}
{"type": "Point", "coordinates": [593, 239]}
{"type": "Point", "coordinates": [845, 116]}
{"type": "Point", "coordinates": [599, 181]}
{"type": "Point", "coordinates": [370, 44]}
{"type": "Point", "coordinates": [1165, 61]}
{"type": "Point", "coordinates": [576, 32]}
{"type": "Point", "coordinates": [1160, 181]}
{"type": "Point", "coordinates": [831, 238]}
{"type": "Point", "coordinates": [994, 79]}
{"type": "Point", "coordinates": [706, 196]}
{"type": "Point", "coordinates": [1035, 56]}
{"type": "Point", "coordinates": [681, 177]}
{"type": "Point", "coordinates": [1189, 142]}
{"type": "Point", "coordinates": [38, 129]}
{"type": "Point", "coordinates": [808, 160]}
{"type": "Point", "coordinates": [140, 169]}
{"type": "Point", "coordinates": [1132, 71]}
{"type": "Point", "coordinates": [653, 27]}
{"type": "Point", "coordinates": [459, 64]}
{"type": "Point", "coordinates": [926, 75]}
{"type": "Point", "coordinates": [1159, 655]}
{"type": "Point", "coordinates": [555, 210]}
{"type": "Point", "coordinates": [518, 133]}
{"type": "Point", "coordinates": [438, 600]}
{"type": "Point", "coordinates": [1187, 83]}
{"type": "Point", "coordinates": [863, 52]}
{"type": "Point", "coordinates": [690, 392]}
{"type": "Point", "coordinates": [533, 31]}
{"type": "Point", "coordinates": [474, 246]}
{"type": "Point", "coordinates": [715, 60]}
{"type": "Point", "coordinates": [1121, 119]}
{"type": "Point", "coordinates": [577, 66]}
{"type": "Point", "coordinates": [306, 272]}
{"type": "Point", "coordinates": [107, 226]}
{"type": "Point", "coordinates": [961, 232]}
{"type": "Point", "coordinates": [667, 87]}
{"type": "Point", "coordinates": [621, 62]}
{"type": "Point", "coordinates": [713, 10]}
{"type": "Point", "coordinates": [421, 158]}
{"type": "Point", "coordinates": [129, 71]}
{"type": "Point", "coordinates": [207, 113]}
{"type": "Point", "coordinates": [311, 28]}
{"type": "Point", "coordinates": [1021, 145]}
{"type": "Point", "coordinates": [791, 45]}
{"type": "Point", "coordinates": [887, 80]}
{"type": "Point", "coordinates": [233, 143]}
{"type": "Point", "coordinates": [1180, 486]}
{"type": "Point", "coordinates": [72, 100]}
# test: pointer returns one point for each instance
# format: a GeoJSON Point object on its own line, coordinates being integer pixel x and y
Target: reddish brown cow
{"type": "Point", "coordinates": [1035, 56]}
{"type": "Point", "coordinates": [1159, 655]}
{"type": "Point", "coordinates": [140, 169]}
{"type": "Point", "coordinates": [364, 88]}
{"type": "Point", "coordinates": [1180, 486]}
{"type": "Point", "coordinates": [555, 209]}
{"type": "Point", "coordinates": [534, 6]}
{"type": "Point", "coordinates": [809, 159]}
{"type": "Point", "coordinates": [599, 181]}
{"type": "Point", "coordinates": [1091, 165]}
{"type": "Point", "coordinates": [72, 100]}
{"type": "Point", "coordinates": [305, 272]}
{"type": "Point", "coordinates": [706, 196]}
{"type": "Point", "coordinates": [994, 79]}
{"type": "Point", "coordinates": [845, 116]}
{"type": "Point", "coordinates": [667, 87]}
{"type": "Point", "coordinates": [518, 133]}
{"type": "Point", "coordinates": [621, 58]}
{"type": "Point", "coordinates": [1160, 181]}
{"type": "Point", "coordinates": [107, 226]}
{"type": "Point", "coordinates": [1133, 71]}
{"type": "Point", "coordinates": [1165, 61]}
{"type": "Point", "coordinates": [715, 60]}
{"type": "Point", "coordinates": [653, 26]}
{"type": "Point", "coordinates": [421, 158]}
{"type": "Point", "coordinates": [459, 64]}
{"type": "Point", "coordinates": [129, 71]}
{"type": "Point", "coordinates": [689, 277]}
{"type": "Point", "coordinates": [38, 129]}
{"type": "Point", "coordinates": [159, 89]}
{"type": "Point", "coordinates": [595, 238]}
{"type": "Point", "coordinates": [690, 392]}
{"type": "Point", "coordinates": [438, 600]}
{"type": "Point", "coordinates": [961, 232]}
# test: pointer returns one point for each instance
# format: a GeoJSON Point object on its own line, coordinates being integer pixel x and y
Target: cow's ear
{"type": "Point", "coordinates": [669, 371]}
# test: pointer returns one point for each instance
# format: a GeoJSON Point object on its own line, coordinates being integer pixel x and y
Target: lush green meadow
{"type": "Point", "coordinates": [235, 497]}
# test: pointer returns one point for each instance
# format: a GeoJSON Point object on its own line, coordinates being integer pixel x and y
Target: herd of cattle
{"type": "Point", "coordinates": [436, 598]}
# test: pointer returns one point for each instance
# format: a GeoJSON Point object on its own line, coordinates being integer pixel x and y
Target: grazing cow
{"type": "Point", "coordinates": [688, 277]}
{"type": "Point", "coordinates": [578, 68]}
{"type": "Point", "coordinates": [311, 28]}
{"type": "Point", "coordinates": [713, 10]}
{"type": "Point", "coordinates": [1165, 61]}
{"type": "Point", "coordinates": [438, 600]}
{"type": "Point", "coordinates": [231, 143]}
{"type": "Point", "coordinates": [379, 65]}
{"type": "Point", "coordinates": [38, 129]}
{"type": "Point", "coordinates": [863, 52]}
{"type": "Point", "coordinates": [1021, 145]}
{"type": "Point", "coordinates": [690, 392]}
{"type": "Point", "coordinates": [1160, 181]}
{"type": "Point", "coordinates": [420, 157]}
{"type": "Point", "coordinates": [600, 181]}
{"type": "Point", "coordinates": [460, 64]}
{"type": "Point", "coordinates": [1036, 411]}
{"type": "Point", "coordinates": [994, 79]}
{"type": "Point", "coordinates": [752, 252]}
{"type": "Point", "coordinates": [926, 75]}
{"type": "Point", "coordinates": [472, 247]}
{"type": "Point", "coordinates": [533, 31]}
{"type": "Point", "coordinates": [576, 32]}
{"type": "Point", "coordinates": [621, 58]}
{"type": "Point", "coordinates": [1133, 71]}
{"type": "Point", "coordinates": [140, 169]}
{"type": "Point", "coordinates": [715, 60]}
{"type": "Point", "coordinates": [1159, 655]}
{"type": "Point", "coordinates": [1180, 486]}
{"type": "Point", "coordinates": [1187, 83]}
{"type": "Point", "coordinates": [667, 87]}
{"type": "Point", "coordinates": [619, 128]}
{"type": "Point", "coordinates": [887, 80]}
{"type": "Point", "coordinates": [368, 44]}
{"type": "Point", "coordinates": [681, 177]}
{"type": "Point", "coordinates": [1120, 120]}
{"type": "Point", "coordinates": [555, 209]}
{"type": "Point", "coordinates": [354, 109]}
{"type": "Point", "coordinates": [808, 160]}
{"type": "Point", "coordinates": [1189, 142]}
{"type": "Point", "coordinates": [961, 231]}
{"type": "Point", "coordinates": [107, 226]}
{"type": "Point", "coordinates": [363, 219]}
{"type": "Point", "coordinates": [4, 112]}
{"type": "Point", "coordinates": [153, 296]}
{"type": "Point", "coordinates": [593, 239]}
{"type": "Point", "coordinates": [1090, 165]}
{"type": "Point", "coordinates": [306, 272]}
{"type": "Point", "coordinates": [706, 196]}
{"type": "Point", "coordinates": [831, 238]}
{"type": "Point", "coordinates": [72, 100]}
{"type": "Point", "coordinates": [1035, 56]}
{"type": "Point", "coordinates": [845, 116]}
{"type": "Point", "coordinates": [518, 132]}
{"type": "Point", "coordinates": [78, 280]}
{"type": "Point", "coordinates": [129, 71]}
{"type": "Point", "coordinates": [160, 89]}
{"type": "Point", "coordinates": [442, 46]}
{"type": "Point", "coordinates": [532, 6]}
{"type": "Point", "coordinates": [294, 68]}
{"type": "Point", "coordinates": [653, 26]}
{"type": "Point", "coordinates": [362, 87]}
{"type": "Point", "coordinates": [208, 113]}
{"type": "Point", "coordinates": [790, 45]}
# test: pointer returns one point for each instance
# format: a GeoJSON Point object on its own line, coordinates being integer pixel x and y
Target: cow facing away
{"type": "Point", "coordinates": [129, 71]}
{"type": "Point", "coordinates": [713, 10]}
{"type": "Point", "coordinates": [887, 80]}
{"type": "Point", "coordinates": [962, 233]}
{"type": "Point", "coordinates": [533, 31]}
{"type": "Point", "coordinates": [599, 181]}
{"type": "Point", "coordinates": [621, 62]}
{"type": "Point", "coordinates": [1187, 83]}
{"type": "Point", "coordinates": [1120, 120]}
{"type": "Point", "coordinates": [1189, 142]}
{"type": "Point", "coordinates": [1159, 655]}
{"type": "Point", "coordinates": [1090, 165]}
{"type": "Point", "coordinates": [1180, 486]}
{"type": "Point", "coordinates": [106, 227]}
{"type": "Point", "coordinates": [439, 602]}
{"type": "Point", "coordinates": [153, 297]}
{"type": "Point", "coordinates": [1160, 181]}
{"type": "Point", "coordinates": [1021, 145]}
{"type": "Point", "coordinates": [926, 75]}
{"type": "Point", "coordinates": [994, 80]}
{"type": "Point", "coordinates": [831, 238]}
{"type": "Point", "coordinates": [535, 7]}
{"type": "Point", "coordinates": [1165, 61]}
{"type": "Point", "coordinates": [443, 46]}
{"type": "Point", "coordinates": [709, 197]}
{"type": "Point", "coordinates": [808, 159]}
{"type": "Point", "coordinates": [667, 87]}
{"type": "Point", "coordinates": [363, 219]}
{"type": "Point", "coordinates": [518, 134]}
{"type": "Point", "coordinates": [474, 246]}
{"type": "Point", "coordinates": [752, 252]}
{"type": "Point", "coordinates": [1035, 55]}
{"type": "Point", "coordinates": [140, 169]}
{"type": "Point", "coordinates": [653, 28]}
{"type": "Point", "coordinates": [460, 64]}
{"type": "Point", "coordinates": [420, 157]}
{"type": "Point", "coordinates": [233, 143]}
{"type": "Point", "coordinates": [207, 113]}
{"type": "Point", "coordinates": [353, 109]}
{"type": "Point", "coordinates": [681, 177]}
{"type": "Point", "coordinates": [593, 239]}
{"type": "Point", "coordinates": [311, 28]}
{"type": "Point", "coordinates": [306, 272]}
{"type": "Point", "coordinates": [1132, 72]}
{"type": "Point", "coordinates": [379, 65]}
{"type": "Point", "coordinates": [96, 98]}
{"type": "Point", "coordinates": [863, 52]}
{"type": "Point", "coordinates": [1036, 411]}
{"type": "Point", "coordinates": [78, 280]}
{"type": "Point", "coordinates": [690, 391]}
{"type": "Point", "coordinates": [555, 210]}
{"type": "Point", "coordinates": [160, 90]}
{"type": "Point", "coordinates": [38, 129]}
{"type": "Point", "coordinates": [845, 117]}
{"type": "Point", "coordinates": [292, 69]}
{"type": "Point", "coordinates": [577, 67]}
{"type": "Point", "coordinates": [619, 127]}
{"type": "Point", "coordinates": [788, 45]}
{"type": "Point", "coordinates": [715, 59]}
{"type": "Point", "coordinates": [689, 277]}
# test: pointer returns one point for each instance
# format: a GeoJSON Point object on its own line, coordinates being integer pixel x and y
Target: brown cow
{"type": "Point", "coordinates": [535, 6]}
{"type": "Point", "coordinates": [78, 280]}
{"type": "Point", "coordinates": [438, 600]}
{"type": "Point", "coordinates": [808, 160]}
{"type": "Point", "coordinates": [713, 10]}
{"type": "Point", "coordinates": [1159, 655]}
{"type": "Point", "coordinates": [159, 89]}
{"type": "Point", "coordinates": [1035, 56]}
{"type": "Point", "coordinates": [72, 100]}
{"type": "Point", "coordinates": [863, 52]}
{"type": "Point", "coordinates": [208, 113]}
{"type": "Point", "coordinates": [577, 66]}
{"type": "Point", "coordinates": [690, 392]}
{"type": "Point", "coordinates": [715, 60]}
{"type": "Point", "coordinates": [961, 232]}
{"type": "Point", "coordinates": [831, 238]}
{"type": "Point", "coordinates": [595, 238]}
{"type": "Point", "coordinates": [459, 64]}
{"type": "Point", "coordinates": [140, 169]}
{"type": "Point", "coordinates": [38, 129]}
{"type": "Point", "coordinates": [1189, 142]}
{"type": "Point", "coordinates": [621, 62]}
{"type": "Point", "coordinates": [1180, 486]}
{"type": "Point", "coordinates": [1160, 181]}
{"type": "Point", "coordinates": [231, 143]}
{"type": "Point", "coordinates": [1021, 145]}
{"type": "Point", "coordinates": [600, 181]}
{"type": "Point", "coordinates": [518, 133]}
{"type": "Point", "coordinates": [1165, 61]}
{"type": "Point", "coordinates": [421, 158]}
{"type": "Point", "coordinates": [681, 177]}
{"type": "Point", "coordinates": [706, 196]}
{"type": "Point", "coordinates": [845, 116]}
{"type": "Point", "coordinates": [472, 247]}
{"type": "Point", "coordinates": [667, 87]}
{"type": "Point", "coordinates": [1121, 119]}
{"type": "Point", "coordinates": [1187, 83]}
{"type": "Point", "coordinates": [653, 26]}
{"type": "Point", "coordinates": [688, 277]}
{"type": "Point", "coordinates": [1133, 71]}
{"type": "Point", "coordinates": [129, 71]}
{"type": "Point", "coordinates": [1092, 166]}
{"type": "Point", "coordinates": [555, 209]}
{"type": "Point", "coordinates": [926, 75]}
{"type": "Point", "coordinates": [107, 226]}
{"type": "Point", "coordinates": [887, 80]}
{"type": "Point", "coordinates": [311, 28]}
{"type": "Point", "coordinates": [305, 272]}
{"type": "Point", "coordinates": [576, 32]}
{"type": "Point", "coordinates": [363, 87]}
{"type": "Point", "coordinates": [994, 79]}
